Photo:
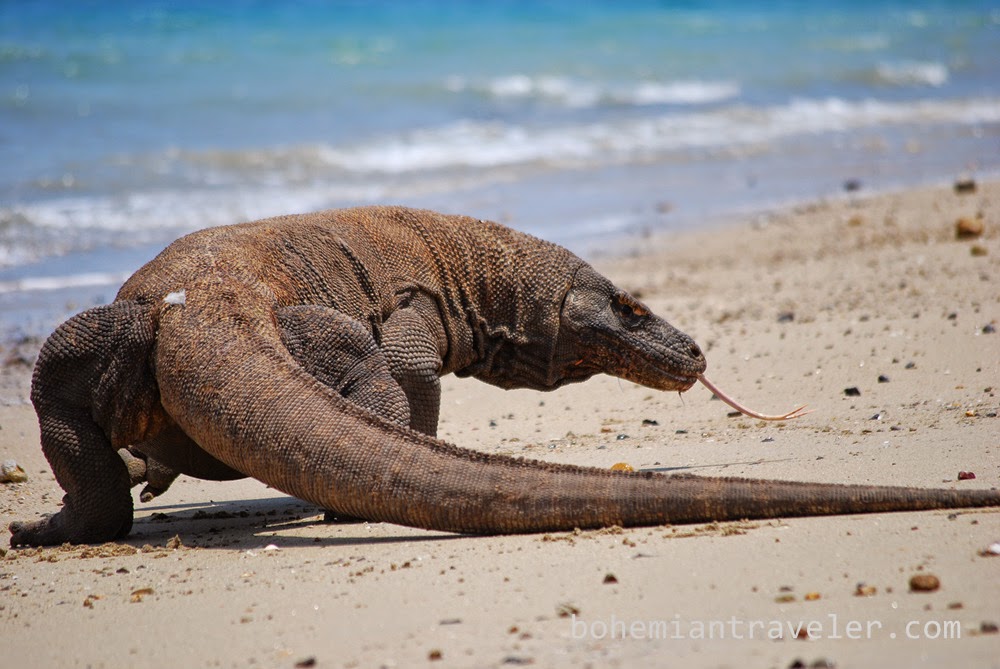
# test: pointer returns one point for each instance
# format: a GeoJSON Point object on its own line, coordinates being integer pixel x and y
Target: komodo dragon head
{"type": "Point", "coordinates": [604, 330]}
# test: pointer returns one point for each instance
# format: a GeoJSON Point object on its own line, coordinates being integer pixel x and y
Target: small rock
{"type": "Point", "coordinates": [566, 610]}
{"type": "Point", "coordinates": [989, 328]}
{"type": "Point", "coordinates": [306, 662]}
{"type": "Point", "coordinates": [978, 250]}
{"type": "Point", "coordinates": [137, 595]}
{"type": "Point", "coordinates": [435, 655]}
{"type": "Point", "coordinates": [910, 365]}
{"type": "Point", "coordinates": [969, 228]}
{"type": "Point", "coordinates": [865, 590]}
{"type": "Point", "coordinates": [786, 317]}
{"type": "Point", "coordinates": [852, 391]}
{"type": "Point", "coordinates": [992, 550]}
{"type": "Point", "coordinates": [650, 421]}
{"type": "Point", "coordinates": [622, 437]}
{"type": "Point", "coordinates": [965, 185]}
{"type": "Point", "coordinates": [852, 185]}
{"type": "Point", "coordinates": [11, 472]}
{"type": "Point", "coordinates": [966, 476]}
{"type": "Point", "coordinates": [610, 578]}
{"type": "Point", "coordinates": [882, 378]}
{"type": "Point", "coordinates": [988, 627]}
{"type": "Point", "coordinates": [924, 583]}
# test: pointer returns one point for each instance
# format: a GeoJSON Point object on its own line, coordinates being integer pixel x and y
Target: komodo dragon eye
{"type": "Point", "coordinates": [630, 313]}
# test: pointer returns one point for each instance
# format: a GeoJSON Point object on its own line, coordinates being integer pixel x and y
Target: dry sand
{"type": "Point", "coordinates": [794, 306]}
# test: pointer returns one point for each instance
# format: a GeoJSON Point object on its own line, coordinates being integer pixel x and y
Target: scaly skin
{"type": "Point", "coordinates": [305, 351]}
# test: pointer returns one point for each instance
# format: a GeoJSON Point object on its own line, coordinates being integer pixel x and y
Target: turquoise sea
{"type": "Point", "coordinates": [126, 124]}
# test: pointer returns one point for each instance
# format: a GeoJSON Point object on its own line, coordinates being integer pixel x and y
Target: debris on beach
{"type": "Point", "coordinates": [138, 595]}
{"type": "Point", "coordinates": [965, 185]}
{"type": "Point", "coordinates": [565, 610]}
{"type": "Point", "coordinates": [865, 590]}
{"type": "Point", "coordinates": [966, 476]}
{"type": "Point", "coordinates": [967, 227]}
{"type": "Point", "coordinates": [993, 550]}
{"type": "Point", "coordinates": [11, 472]}
{"type": "Point", "coordinates": [924, 583]}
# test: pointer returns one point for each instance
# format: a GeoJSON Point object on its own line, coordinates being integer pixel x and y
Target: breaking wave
{"type": "Point", "coordinates": [581, 94]}
{"type": "Point", "coordinates": [221, 187]}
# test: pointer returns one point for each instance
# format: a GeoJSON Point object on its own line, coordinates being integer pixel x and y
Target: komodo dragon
{"type": "Point", "coordinates": [305, 351]}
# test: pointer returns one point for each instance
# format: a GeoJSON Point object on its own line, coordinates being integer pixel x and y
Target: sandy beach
{"type": "Point", "coordinates": [868, 308]}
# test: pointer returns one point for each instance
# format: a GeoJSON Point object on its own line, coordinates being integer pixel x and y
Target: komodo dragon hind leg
{"type": "Point", "coordinates": [335, 349]}
{"type": "Point", "coordinates": [92, 387]}
{"type": "Point", "coordinates": [338, 351]}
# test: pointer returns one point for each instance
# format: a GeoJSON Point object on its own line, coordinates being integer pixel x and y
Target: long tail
{"type": "Point", "coordinates": [237, 392]}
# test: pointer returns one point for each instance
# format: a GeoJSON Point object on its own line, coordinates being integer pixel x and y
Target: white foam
{"type": "Point", "coordinates": [575, 93]}
{"type": "Point", "coordinates": [912, 73]}
{"type": "Point", "coordinates": [683, 92]}
{"type": "Point", "coordinates": [493, 144]}
{"type": "Point", "coordinates": [48, 283]}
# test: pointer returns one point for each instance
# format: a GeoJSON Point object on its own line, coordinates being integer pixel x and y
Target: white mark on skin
{"type": "Point", "coordinates": [177, 297]}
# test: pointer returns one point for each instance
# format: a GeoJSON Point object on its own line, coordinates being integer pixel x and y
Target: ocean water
{"type": "Point", "coordinates": [124, 125]}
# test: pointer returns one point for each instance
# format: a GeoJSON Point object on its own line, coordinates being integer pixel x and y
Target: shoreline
{"type": "Point", "coordinates": [791, 306]}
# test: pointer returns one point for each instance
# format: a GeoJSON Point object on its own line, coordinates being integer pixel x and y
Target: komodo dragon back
{"type": "Point", "coordinates": [306, 351]}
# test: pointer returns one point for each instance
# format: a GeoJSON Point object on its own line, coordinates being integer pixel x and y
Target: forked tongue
{"type": "Point", "coordinates": [795, 413]}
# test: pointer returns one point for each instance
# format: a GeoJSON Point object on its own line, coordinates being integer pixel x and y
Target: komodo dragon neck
{"type": "Point", "coordinates": [305, 351]}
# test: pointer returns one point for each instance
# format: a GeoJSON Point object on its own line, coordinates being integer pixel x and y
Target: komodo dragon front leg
{"type": "Point", "coordinates": [414, 345]}
{"type": "Point", "coordinates": [335, 349]}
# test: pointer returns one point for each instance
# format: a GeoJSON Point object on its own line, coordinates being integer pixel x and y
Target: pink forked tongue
{"type": "Point", "coordinates": [795, 413]}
